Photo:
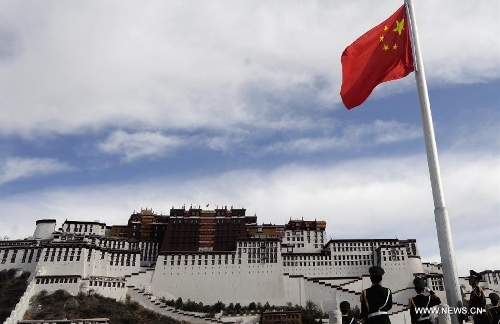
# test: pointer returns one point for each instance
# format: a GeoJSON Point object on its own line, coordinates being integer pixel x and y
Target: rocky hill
{"type": "Point", "coordinates": [61, 305]}
{"type": "Point", "coordinates": [11, 290]}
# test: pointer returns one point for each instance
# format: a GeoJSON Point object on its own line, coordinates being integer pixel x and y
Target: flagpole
{"type": "Point", "coordinates": [450, 274]}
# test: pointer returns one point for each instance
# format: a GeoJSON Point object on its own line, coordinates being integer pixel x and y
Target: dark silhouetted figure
{"type": "Point", "coordinates": [376, 300]}
{"type": "Point", "coordinates": [420, 304]}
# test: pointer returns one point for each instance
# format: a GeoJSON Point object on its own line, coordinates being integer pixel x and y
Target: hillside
{"type": "Point", "coordinates": [11, 290]}
{"type": "Point", "coordinates": [61, 304]}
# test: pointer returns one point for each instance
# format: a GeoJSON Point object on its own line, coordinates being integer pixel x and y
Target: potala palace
{"type": "Point", "coordinates": [217, 255]}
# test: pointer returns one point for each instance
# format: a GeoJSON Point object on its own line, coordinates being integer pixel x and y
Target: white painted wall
{"type": "Point", "coordinates": [210, 283]}
{"type": "Point", "coordinates": [44, 230]}
{"type": "Point", "coordinates": [21, 260]}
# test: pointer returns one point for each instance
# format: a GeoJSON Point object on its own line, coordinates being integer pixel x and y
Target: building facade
{"type": "Point", "coordinates": [220, 255]}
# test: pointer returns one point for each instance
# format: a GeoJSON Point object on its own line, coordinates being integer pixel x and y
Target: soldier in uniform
{"type": "Point", "coordinates": [492, 315]}
{"type": "Point", "coordinates": [421, 302]}
{"type": "Point", "coordinates": [344, 309]}
{"type": "Point", "coordinates": [477, 300]}
{"type": "Point", "coordinates": [376, 300]}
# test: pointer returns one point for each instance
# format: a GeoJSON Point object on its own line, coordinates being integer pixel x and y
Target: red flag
{"type": "Point", "coordinates": [382, 54]}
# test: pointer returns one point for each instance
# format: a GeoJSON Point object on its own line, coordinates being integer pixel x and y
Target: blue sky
{"type": "Point", "coordinates": [109, 107]}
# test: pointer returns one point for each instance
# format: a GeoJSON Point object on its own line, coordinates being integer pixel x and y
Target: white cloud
{"type": "Point", "coordinates": [14, 168]}
{"type": "Point", "coordinates": [378, 132]}
{"type": "Point", "coordinates": [212, 65]}
{"type": "Point", "coordinates": [140, 144]}
{"type": "Point", "coordinates": [368, 198]}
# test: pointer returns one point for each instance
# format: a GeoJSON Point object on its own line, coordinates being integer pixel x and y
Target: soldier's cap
{"type": "Point", "coordinates": [493, 297]}
{"type": "Point", "coordinates": [474, 274]}
{"type": "Point", "coordinates": [376, 271]}
{"type": "Point", "coordinates": [344, 306]}
{"type": "Point", "coordinates": [419, 283]}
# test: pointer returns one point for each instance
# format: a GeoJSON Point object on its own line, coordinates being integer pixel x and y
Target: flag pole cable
{"type": "Point", "coordinates": [443, 228]}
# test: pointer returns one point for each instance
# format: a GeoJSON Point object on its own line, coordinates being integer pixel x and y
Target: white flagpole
{"type": "Point", "coordinates": [441, 215]}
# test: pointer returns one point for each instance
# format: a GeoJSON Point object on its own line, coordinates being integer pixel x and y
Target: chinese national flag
{"type": "Point", "coordinates": [382, 54]}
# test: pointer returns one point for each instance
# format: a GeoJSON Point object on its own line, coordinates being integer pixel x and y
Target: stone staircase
{"type": "Point", "coordinates": [154, 303]}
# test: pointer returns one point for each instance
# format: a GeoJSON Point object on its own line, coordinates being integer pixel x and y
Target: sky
{"type": "Point", "coordinates": [107, 107]}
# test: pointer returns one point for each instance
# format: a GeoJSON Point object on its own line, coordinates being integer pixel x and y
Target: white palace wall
{"type": "Point", "coordinates": [230, 283]}
{"type": "Point", "coordinates": [19, 257]}
{"type": "Point", "coordinates": [398, 272]}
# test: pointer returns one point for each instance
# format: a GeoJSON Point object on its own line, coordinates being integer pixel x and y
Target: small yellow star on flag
{"type": "Point", "coordinates": [395, 46]}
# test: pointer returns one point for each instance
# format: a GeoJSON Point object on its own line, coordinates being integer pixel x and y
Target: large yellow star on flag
{"type": "Point", "coordinates": [400, 25]}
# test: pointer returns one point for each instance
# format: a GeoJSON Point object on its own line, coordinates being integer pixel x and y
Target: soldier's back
{"type": "Point", "coordinates": [348, 320]}
{"type": "Point", "coordinates": [379, 301]}
{"type": "Point", "coordinates": [492, 315]}
{"type": "Point", "coordinates": [420, 302]}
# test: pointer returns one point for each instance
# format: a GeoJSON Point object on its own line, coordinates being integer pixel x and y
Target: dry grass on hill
{"type": "Point", "coordinates": [11, 290]}
{"type": "Point", "coordinates": [61, 305]}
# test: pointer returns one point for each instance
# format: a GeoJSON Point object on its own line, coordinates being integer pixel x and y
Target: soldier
{"type": "Point", "coordinates": [422, 303]}
{"type": "Point", "coordinates": [344, 309]}
{"type": "Point", "coordinates": [376, 300]}
{"type": "Point", "coordinates": [477, 300]}
{"type": "Point", "coordinates": [492, 315]}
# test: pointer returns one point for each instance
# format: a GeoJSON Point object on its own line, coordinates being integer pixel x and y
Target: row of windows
{"type": "Point", "coordinates": [259, 253]}
{"type": "Point", "coordinates": [301, 233]}
{"type": "Point", "coordinates": [342, 263]}
{"type": "Point", "coordinates": [301, 239]}
{"type": "Point", "coordinates": [10, 243]}
{"type": "Point", "coordinates": [106, 284]}
{"type": "Point", "coordinates": [262, 261]}
{"type": "Point", "coordinates": [54, 250]}
{"type": "Point", "coordinates": [306, 257]}
{"type": "Point", "coordinates": [25, 254]}
{"type": "Point", "coordinates": [397, 252]}
{"type": "Point", "coordinates": [7, 252]}
{"type": "Point", "coordinates": [200, 262]}
{"type": "Point", "coordinates": [257, 244]}
{"type": "Point", "coordinates": [358, 244]}
{"type": "Point", "coordinates": [193, 256]}
{"type": "Point", "coordinates": [122, 256]}
{"type": "Point", "coordinates": [393, 258]}
{"type": "Point", "coordinates": [352, 257]}
{"type": "Point", "coordinates": [347, 249]}
{"type": "Point", "coordinates": [437, 284]}
{"type": "Point", "coordinates": [113, 244]}
{"type": "Point", "coordinates": [81, 228]}
{"type": "Point", "coordinates": [122, 263]}
{"type": "Point", "coordinates": [55, 280]}
{"type": "Point", "coordinates": [30, 256]}
{"type": "Point", "coordinates": [65, 258]}
{"type": "Point", "coordinates": [253, 250]}
{"type": "Point", "coordinates": [306, 264]}
{"type": "Point", "coordinates": [66, 252]}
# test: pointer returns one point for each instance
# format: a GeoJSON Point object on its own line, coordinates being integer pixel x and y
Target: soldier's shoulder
{"type": "Point", "coordinates": [385, 289]}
